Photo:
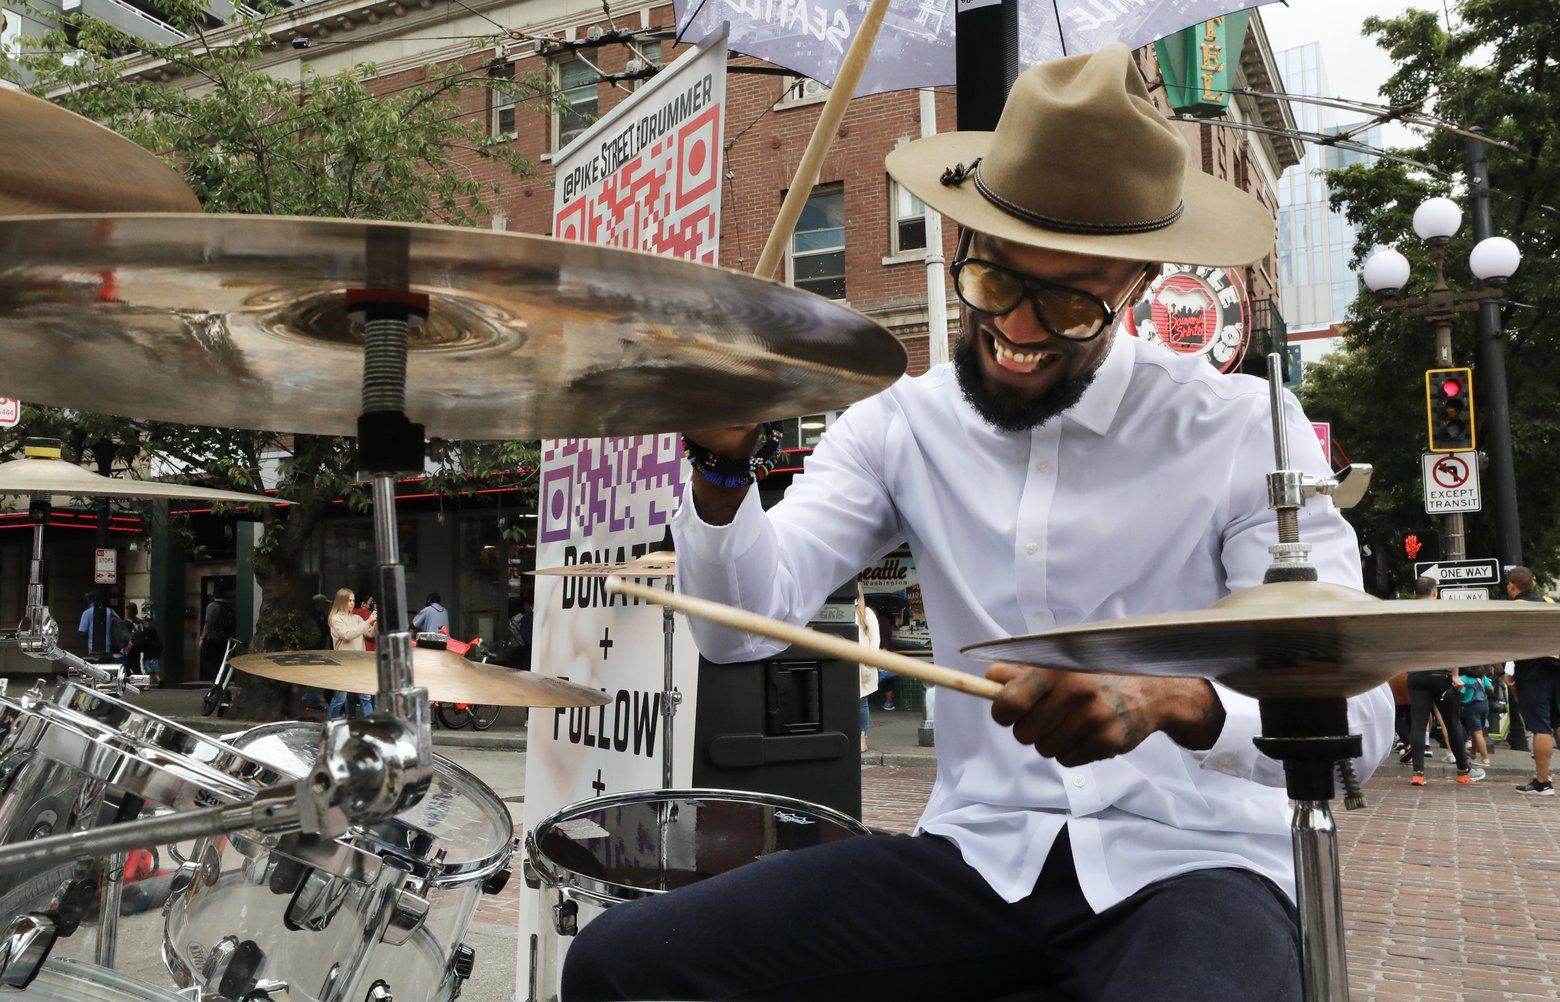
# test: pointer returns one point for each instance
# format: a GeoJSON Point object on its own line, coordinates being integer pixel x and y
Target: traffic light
{"type": "Point", "coordinates": [1449, 405]}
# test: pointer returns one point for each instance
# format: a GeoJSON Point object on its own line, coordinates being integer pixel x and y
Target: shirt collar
{"type": "Point", "coordinates": [1097, 409]}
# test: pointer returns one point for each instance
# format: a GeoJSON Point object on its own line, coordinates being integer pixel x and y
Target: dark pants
{"type": "Point", "coordinates": [898, 918]}
{"type": "Point", "coordinates": [1434, 688]}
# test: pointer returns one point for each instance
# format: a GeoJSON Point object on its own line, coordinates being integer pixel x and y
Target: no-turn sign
{"type": "Point", "coordinates": [1451, 482]}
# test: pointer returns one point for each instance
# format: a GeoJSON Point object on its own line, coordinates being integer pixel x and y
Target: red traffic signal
{"type": "Point", "coordinates": [1449, 409]}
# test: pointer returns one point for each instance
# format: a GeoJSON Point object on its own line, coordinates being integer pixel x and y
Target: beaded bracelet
{"type": "Point", "coordinates": [726, 472]}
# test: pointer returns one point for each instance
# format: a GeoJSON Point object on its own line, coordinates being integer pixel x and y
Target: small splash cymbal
{"type": "Point", "coordinates": [449, 678]}
{"type": "Point", "coordinates": [652, 565]}
{"type": "Point", "coordinates": [1294, 639]}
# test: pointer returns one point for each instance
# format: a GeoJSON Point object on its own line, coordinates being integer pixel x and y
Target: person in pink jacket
{"type": "Point", "coordinates": [347, 633]}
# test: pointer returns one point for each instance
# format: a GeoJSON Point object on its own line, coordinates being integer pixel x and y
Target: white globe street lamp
{"type": "Point", "coordinates": [1386, 272]}
{"type": "Point", "coordinates": [1494, 260]}
{"type": "Point", "coordinates": [1438, 219]}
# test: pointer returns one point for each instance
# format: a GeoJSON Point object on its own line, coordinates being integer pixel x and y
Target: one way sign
{"type": "Point", "coordinates": [1461, 572]}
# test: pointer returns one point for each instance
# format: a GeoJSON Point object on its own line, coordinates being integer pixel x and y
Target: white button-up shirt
{"type": "Point", "coordinates": [1148, 496]}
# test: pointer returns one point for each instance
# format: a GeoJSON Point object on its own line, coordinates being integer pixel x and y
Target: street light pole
{"type": "Point", "coordinates": [1441, 309]}
{"type": "Point", "coordinates": [1490, 354]}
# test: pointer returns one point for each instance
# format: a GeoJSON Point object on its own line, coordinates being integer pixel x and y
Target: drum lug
{"type": "Point", "coordinates": [528, 873]}
{"type": "Point", "coordinates": [566, 917]}
{"type": "Point", "coordinates": [187, 873]}
{"type": "Point", "coordinates": [461, 966]}
{"type": "Point", "coordinates": [379, 991]}
{"type": "Point", "coordinates": [315, 902]}
{"type": "Point", "coordinates": [498, 881]}
{"type": "Point", "coordinates": [407, 912]}
{"type": "Point", "coordinates": [26, 947]}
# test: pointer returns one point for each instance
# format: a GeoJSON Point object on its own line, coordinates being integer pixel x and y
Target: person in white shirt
{"type": "Point", "coordinates": [1131, 843]}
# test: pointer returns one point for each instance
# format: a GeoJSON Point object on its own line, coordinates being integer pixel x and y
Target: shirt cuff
{"type": "Point", "coordinates": [1233, 752]}
{"type": "Point", "coordinates": [718, 543]}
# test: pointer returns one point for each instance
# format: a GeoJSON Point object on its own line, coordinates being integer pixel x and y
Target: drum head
{"type": "Point", "coordinates": [635, 844]}
{"type": "Point", "coordinates": [61, 980]}
{"type": "Point", "coordinates": [459, 814]}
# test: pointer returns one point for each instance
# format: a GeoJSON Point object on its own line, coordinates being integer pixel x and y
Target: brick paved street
{"type": "Point", "coordinates": [1450, 893]}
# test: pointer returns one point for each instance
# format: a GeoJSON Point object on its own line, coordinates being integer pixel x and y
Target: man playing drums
{"type": "Point", "coordinates": [1132, 842]}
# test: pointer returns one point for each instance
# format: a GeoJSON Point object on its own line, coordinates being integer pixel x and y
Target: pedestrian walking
{"type": "Point", "coordinates": [88, 626]}
{"type": "Point", "coordinates": [1538, 691]}
{"type": "Point", "coordinates": [433, 617]}
{"type": "Point", "coordinates": [868, 633]}
{"type": "Point", "coordinates": [1476, 689]}
{"type": "Point", "coordinates": [144, 653]}
{"type": "Point", "coordinates": [1441, 690]}
{"type": "Point", "coordinates": [364, 609]}
{"type": "Point", "coordinates": [216, 630]}
{"type": "Point", "coordinates": [347, 634]}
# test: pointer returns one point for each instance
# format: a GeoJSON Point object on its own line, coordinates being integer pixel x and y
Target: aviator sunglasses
{"type": "Point", "coordinates": [1063, 311]}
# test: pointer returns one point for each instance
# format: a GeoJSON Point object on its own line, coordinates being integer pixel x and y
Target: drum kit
{"type": "Point", "coordinates": [344, 861]}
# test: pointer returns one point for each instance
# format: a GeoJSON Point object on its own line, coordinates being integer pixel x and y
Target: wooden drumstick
{"type": "Point", "coordinates": [800, 636]}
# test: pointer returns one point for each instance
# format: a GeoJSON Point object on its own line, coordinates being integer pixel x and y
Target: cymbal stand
{"type": "Point", "coordinates": [1310, 736]}
{"type": "Point", "coordinates": [670, 697]}
{"type": "Point", "coordinates": [38, 633]}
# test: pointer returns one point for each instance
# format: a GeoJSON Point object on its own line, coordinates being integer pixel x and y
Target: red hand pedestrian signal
{"type": "Point", "coordinates": [1412, 545]}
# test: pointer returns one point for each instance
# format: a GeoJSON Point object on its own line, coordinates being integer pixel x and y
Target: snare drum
{"type": "Point", "coordinates": [386, 905]}
{"type": "Point", "coordinates": [601, 852]}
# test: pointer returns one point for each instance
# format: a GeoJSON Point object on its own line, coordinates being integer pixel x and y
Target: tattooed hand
{"type": "Point", "coordinates": [1077, 718]}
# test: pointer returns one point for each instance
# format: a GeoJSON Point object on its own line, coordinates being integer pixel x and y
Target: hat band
{"type": "Point", "coordinates": [955, 176]}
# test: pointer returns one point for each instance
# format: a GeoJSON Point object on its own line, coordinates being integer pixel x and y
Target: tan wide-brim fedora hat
{"type": "Point", "coordinates": [1083, 162]}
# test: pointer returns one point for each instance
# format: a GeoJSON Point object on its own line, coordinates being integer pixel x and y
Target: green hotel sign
{"type": "Point", "coordinates": [1198, 64]}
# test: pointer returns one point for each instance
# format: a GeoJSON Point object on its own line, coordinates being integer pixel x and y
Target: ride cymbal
{"type": "Point", "coordinates": [1294, 639]}
{"type": "Point", "coordinates": [652, 565]}
{"type": "Point", "coordinates": [448, 677]}
{"type": "Point", "coordinates": [242, 321]}
{"type": "Point", "coordinates": [57, 161]}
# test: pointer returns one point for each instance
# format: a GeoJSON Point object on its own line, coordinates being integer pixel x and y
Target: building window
{"type": "Point", "coordinates": [817, 259]}
{"type": "Point", "coordinates": [651, 53]}
{"type": "Point", "coordinates": [799, 91]}
{"type": "Point", "coordinates": [503, 91]}
{"type": "Point", "coordinates": [909, 224]}
{"type": "Point", "coordinates": [576, 108]}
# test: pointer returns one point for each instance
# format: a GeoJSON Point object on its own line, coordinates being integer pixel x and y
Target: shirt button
{"type": "Point", "coordinates": [1078, 782]}
{"type": "Point", "coordinates": [1031, 547]}
{"type": "Point", "coordinates": [1042, 466]}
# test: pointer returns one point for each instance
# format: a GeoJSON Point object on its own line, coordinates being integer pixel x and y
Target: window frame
{"type": "Point", "coordinates": [895, 251]}
{"type": "Point", "coordinates": [835, 188]}
{"type": "Point", "coordinates": [499, 102]}
{"type": "Point", "coordinates": [556, 71]}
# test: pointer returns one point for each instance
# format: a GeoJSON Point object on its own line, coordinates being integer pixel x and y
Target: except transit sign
{"type": "Point", "coordinates": [1451, 482]}
{"type": "Point", "coordinates": [1461, 572]}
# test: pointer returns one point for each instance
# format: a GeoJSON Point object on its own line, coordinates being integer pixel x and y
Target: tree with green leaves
{"type": "Point", "coordinates": [1497, 71]}
{"type": "Point", "coordinates": [248, 141]}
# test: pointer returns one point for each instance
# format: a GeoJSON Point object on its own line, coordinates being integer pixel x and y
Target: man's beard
{"type": "Point", "coordinates": [1008, 409]}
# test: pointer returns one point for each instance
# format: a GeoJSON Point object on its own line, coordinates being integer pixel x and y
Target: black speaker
{"type": "Point", "coordinates": [788, 725]}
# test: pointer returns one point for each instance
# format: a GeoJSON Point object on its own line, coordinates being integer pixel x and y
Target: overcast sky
{"type": "Point", "coordinates": [1355, 67]}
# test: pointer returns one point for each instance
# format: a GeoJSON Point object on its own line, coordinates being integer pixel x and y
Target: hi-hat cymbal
{"type": "Point", "coordinates": [241, 321]}
{"type": "Point", "coordinates": [652, 565]}
{"type": "Point", "coordinates": [449, 678]}
{"type": "Point", "coordinates": [57, 161]}
{"type": "Point", "coordinates": [1294, 639]}
{"type": "Point", "coordinates": [55, 476]}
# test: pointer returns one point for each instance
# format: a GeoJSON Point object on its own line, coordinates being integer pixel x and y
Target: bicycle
{"type": "Point", "coordinates": [219, 697]}
{"type": "Point", "coordinates": [477, 716]}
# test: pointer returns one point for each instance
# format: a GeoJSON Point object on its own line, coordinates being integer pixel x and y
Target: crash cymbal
{"type": "Point", "coordinates": [449, 678]}
{"type": "Point", "coordinates": [1295, 639]}
{"type": "Point", "coordinates": [241, 321]}
{"type": "Point", "coordinates": [57, 161]}
{"type": "Point", "coordinates": [651, 565]}
{"type": "Point", "coordinates": [43, 472]}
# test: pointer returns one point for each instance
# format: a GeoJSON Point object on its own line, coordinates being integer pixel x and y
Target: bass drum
{"type": "Point", "coordinates": [602, 852]}
{"type": "Point", "coordinates": [385, 907]}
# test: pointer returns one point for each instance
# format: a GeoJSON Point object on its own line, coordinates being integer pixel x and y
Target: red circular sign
{"type": "Point", "coordinates": [1196, 311]}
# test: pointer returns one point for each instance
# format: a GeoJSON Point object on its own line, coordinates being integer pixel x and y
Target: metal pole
{"type": "Point", "coordinates": [1455, 547]}
{"type": "Point", "coordinates": [936, 285]}
{"type": "Point", "coordinates": [1324, 961]}
{"type": "Point", "coordinates": [670, 696]}
{"type": "Point", "coordinates": [1490, 356]}
{"type": "Point", "coordinates": [108, 915]}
